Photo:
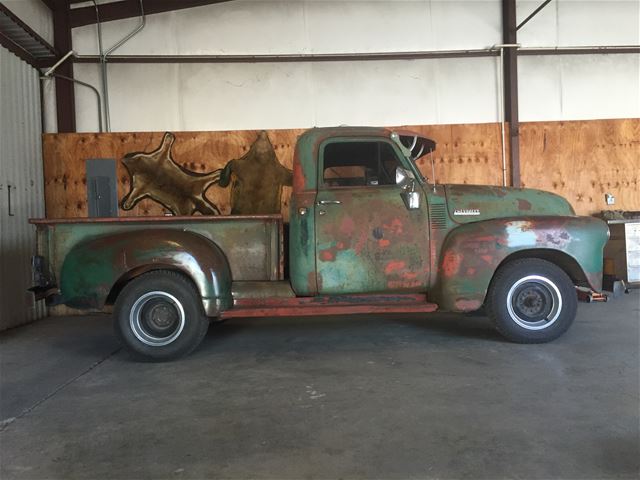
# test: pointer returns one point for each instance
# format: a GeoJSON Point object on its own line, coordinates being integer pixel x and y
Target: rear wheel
{"type": "Point", "coordinates": [531, 301]}
{"type": "Point", "coordinates": [159, 316]}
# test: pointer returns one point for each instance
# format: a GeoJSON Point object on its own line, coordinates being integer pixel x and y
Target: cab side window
{"type": "Point", "coordinates": [366, 163]}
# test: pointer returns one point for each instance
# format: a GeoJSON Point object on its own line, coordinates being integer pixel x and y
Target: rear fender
{"type": "Point", "coordinates": [93, 267]}
{"type": "Point", "coordinates": [472, 253]}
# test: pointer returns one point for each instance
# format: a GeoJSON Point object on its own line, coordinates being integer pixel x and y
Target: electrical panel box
{"type": "Point", "coordinates": [102, 195]}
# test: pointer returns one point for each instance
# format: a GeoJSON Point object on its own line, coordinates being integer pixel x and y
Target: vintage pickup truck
{"type": "Point", "coordinates": [367, 234]}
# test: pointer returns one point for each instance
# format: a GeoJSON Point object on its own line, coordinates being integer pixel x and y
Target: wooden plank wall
{"type": "Point", "coordinates": [584, 160]}
{"type": "Point", "coordinates": [580, 160]}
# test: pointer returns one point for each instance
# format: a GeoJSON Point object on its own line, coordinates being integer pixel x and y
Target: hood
{"type": "Point", "coordinates": [473, 203]}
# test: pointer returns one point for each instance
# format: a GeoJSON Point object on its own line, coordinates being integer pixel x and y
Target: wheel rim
{"type": "Point", "coordinates": [157, 318]}
{"type": "Point", "coordinates": [534, 302]}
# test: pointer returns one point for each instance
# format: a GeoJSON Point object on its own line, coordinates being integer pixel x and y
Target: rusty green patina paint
{"type": "Point", "coordinates": [495, 202]}
{"type": "Point", "coordinates": [342, 250]}
{"type": "Point", "coordinates": [472, 253]}
{"type": "Point", "coordinates": [87, 257]}
{"type": "Point", "coordinates": [93, 267]}
{"type": "Point", "coordinates": [369, 244]}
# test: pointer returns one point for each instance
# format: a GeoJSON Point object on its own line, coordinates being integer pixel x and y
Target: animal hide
{"type": "Point", "coordinates": [157, 176]}
{"type": "Point", "coordinates": [256, 179]}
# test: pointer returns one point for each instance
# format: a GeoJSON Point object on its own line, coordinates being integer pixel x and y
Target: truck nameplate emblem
{"type": "Point", "coordinates": [466, 211]}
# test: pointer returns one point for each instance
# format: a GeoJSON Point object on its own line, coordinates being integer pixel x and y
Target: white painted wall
{"type": "Point", "coordinates": [570, 87]}
{"type": "Point", "coordinates": [292, 95]}
{"type": "Point", "coordinates": [285, 95]}
{"type": "Point", "coordinates": [308, 26]}
{"type": "Point", "coordinates": [580, 23]}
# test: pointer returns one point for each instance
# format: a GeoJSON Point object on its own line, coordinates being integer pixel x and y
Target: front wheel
{"type": "Point", "coordinates": [531, 301]}
{"type": "Point", "coordinates": [159, 316]}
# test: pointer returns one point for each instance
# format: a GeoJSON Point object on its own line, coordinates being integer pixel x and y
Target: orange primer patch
{"type": "Point", "coordinates": [393, 266]}
{"type": "Point", "coordinates": [487, 258]}
{"type": "Point", "coordinates": [347, 226]}
{"type": "Point", "coordinates": [465, 305]}
{"type": "Point", "coordinates": [451, 263]}
{"type": "Point", "coordinates": [327, 255]}
{"type": "Point", "coordinates": [395, 226]}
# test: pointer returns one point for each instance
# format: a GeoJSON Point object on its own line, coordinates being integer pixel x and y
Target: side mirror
{"type": "Point", "coordinates": [404, 178]}
{"type": "Point", "coordinates": [406, 181]}
{"type": "Point", "coordinates": [411, 200]}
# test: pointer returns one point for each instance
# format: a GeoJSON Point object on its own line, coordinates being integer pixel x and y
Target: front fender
{"type": "Point", "coordinates": [94, 266]}
{"type": "Point", "coordinates": [472, 253]}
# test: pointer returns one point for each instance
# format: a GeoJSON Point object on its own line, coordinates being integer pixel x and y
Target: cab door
{"type": "Point", "coordinates": [367, 241]}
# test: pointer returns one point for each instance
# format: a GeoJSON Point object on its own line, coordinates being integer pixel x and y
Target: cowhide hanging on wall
{"type": "Point", "coordinates": [157, 176]}
{"type": "Point", "coordinates": [256, 181]}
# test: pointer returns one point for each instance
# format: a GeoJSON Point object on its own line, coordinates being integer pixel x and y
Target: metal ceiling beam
{"type": "Point", "coordinates": [17, 37]}
{"type": "Point", "coordinates": [65, 94]}
{"type": "Point", "coordinates": [510, 85]}
{"type": "Point", "coordinates": [533, 14]}
{"type": "Point", "coordinates": [49, 3]}
{"type": "Point", "coordinates": [131, 8]}
{"type": "Point", "coordinates": [596, 50]}
{"type": "Point", "coordinates": [356, 57]}
{"type": "Point", "coordinates": [293, 58]}
{"type": "Point", "coordinates": [17, 50]}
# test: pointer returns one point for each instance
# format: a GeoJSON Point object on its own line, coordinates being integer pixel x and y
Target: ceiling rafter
{"type": "Point", "coordinates": [130, 8]}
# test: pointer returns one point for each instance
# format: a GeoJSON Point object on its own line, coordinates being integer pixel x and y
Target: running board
{"type": "Point", "coordinates": [328, 305]}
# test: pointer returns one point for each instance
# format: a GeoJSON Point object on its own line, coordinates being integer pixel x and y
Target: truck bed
{"type": "Point", "coordinates": [253, 244]}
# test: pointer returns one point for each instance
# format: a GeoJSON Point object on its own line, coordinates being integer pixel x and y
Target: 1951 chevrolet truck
{"type": "Point", "coordinates": [367, 234]}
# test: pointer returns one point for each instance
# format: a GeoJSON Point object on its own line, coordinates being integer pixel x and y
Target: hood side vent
{"type": "Point", "coordinates": [438, 216]}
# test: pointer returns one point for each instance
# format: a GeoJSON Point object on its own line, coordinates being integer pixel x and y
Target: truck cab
{"type": "Point", "coordinates": [367, 220]}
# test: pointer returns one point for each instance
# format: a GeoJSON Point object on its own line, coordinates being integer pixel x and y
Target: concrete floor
{"type": "Point", "coordinates": [354, 397]}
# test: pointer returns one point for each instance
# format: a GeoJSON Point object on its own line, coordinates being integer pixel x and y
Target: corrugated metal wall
{"type": "Point", "coordinates": [21, 187]}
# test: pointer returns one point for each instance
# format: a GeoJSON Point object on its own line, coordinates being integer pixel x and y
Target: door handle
{"type": "Point", "coordinates": [11, 214]}
{"type": "Point", "coordinates": [329, 202]}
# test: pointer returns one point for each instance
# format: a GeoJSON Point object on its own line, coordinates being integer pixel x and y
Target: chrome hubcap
{"type": "Point", "coordinates": [534, 302]}
{"type": "Point", "coordinates": [157, 318]}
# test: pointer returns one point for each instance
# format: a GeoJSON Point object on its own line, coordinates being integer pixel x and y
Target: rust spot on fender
{"type": "Point", "coordinates": [451, 263]}
{"type": "Point", "coordinates": [524, 204]}
{"type": "Point", "coordinates": [465, 305]}
{"type": "Point", "coordinates": [487, 258]}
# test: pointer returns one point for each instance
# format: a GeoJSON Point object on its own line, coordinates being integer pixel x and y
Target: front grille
{"type": "Point", "coordinates": [438, 216]}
